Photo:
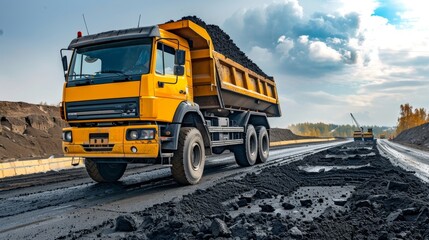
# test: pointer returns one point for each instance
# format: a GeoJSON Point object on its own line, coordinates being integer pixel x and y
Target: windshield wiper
{"type": "Point", "coordinates": [118, 72]}
{"type": "Point", "coordinates": [83, 83]}
{"type": "Point", "coordinates": [86, 80]}
{"type": "Point", "coordinates": [84, 76]}
{"type": "Point", "coordinates": [112, 71]}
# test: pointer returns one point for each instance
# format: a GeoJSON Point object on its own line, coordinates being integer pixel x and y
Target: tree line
{"type": "Point", "coordinates": [334, 130]}
{"type": "Point", "coordinates": [409, 118]}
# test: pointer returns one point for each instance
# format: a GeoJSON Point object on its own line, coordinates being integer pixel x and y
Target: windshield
{"type": "Point", "coordinates": [110, 62]}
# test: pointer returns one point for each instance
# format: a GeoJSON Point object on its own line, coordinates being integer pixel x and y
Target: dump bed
{"type": "Point", "coordinates": [219, 82]}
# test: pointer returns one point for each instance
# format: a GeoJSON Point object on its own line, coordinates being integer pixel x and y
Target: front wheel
{"type": "Point", "coordinates": [104, 172]}
{"type": "Point", "coordinates": [188, 162]}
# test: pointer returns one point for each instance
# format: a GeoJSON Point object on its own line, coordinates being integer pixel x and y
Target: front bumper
{"type": "Point", "coordinates": [110, 142]}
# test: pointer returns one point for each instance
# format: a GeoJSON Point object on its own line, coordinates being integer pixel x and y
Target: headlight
{"type": "Point", "coordinates": [147, 134]}
{"type": "Point", "coordinates": [140, 134]}
{"type": "Point", "coordinates": [67, 136]}
{"type": "Point", "coordinates": [133, 135]}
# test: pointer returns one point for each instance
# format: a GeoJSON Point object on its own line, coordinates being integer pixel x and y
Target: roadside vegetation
{"type": "Point", "coordinates": [332, 130]}
{"type": "Point", "coordinates": [409, 118]}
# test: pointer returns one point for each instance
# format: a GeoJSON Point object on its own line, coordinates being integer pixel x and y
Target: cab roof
{"type": "Point", "coordinates": [115, 35]}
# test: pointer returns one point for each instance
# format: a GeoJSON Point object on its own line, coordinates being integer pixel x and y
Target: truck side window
{"type": "Point", "coordinates": [165, 59]}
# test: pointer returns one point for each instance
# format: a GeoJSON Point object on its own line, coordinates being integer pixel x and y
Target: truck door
{"type": "Point", "coordinates": [169, 85]}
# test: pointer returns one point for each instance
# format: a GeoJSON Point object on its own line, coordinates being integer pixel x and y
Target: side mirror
{"type": "Point", "coordinates": [179, 70]}
{"type": "Point", "coordinates": [65, 64]}
{"type": "Point", "coordinates": [180, 57]}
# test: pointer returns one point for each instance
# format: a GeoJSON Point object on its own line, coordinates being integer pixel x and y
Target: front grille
{"type": "Point", "coordinates": [103, 109]}
{"type": "Point", "coordinates": [98, 147]}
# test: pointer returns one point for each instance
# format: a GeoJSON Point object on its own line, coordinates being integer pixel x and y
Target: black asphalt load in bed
{"type": "Point", "coordinates": [225, 45]}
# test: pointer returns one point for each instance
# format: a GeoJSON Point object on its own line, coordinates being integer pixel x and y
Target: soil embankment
{"type": "Point", "coordinates": [282, 134]}
{"type": "Point", "coordinates": [29, 130]}
{"type": "Point", "coordinates": [415, 137]}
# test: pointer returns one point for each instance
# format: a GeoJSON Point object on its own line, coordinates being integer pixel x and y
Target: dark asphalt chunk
{"type": "Point", "coordinates": [125, 223]}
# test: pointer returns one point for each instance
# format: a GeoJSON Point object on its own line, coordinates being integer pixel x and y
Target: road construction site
{"type": "Point", "coordinates": [336, 190]}
{"type": "Point", "coordinates": [201, 96]}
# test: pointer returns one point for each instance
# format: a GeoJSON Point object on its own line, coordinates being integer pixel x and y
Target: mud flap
{"type": "Point", "coordinates": [75, 161]}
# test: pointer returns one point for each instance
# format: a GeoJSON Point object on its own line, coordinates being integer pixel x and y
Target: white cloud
{"type": "Point", "coordinates": [320, 52]}
{"type": "Point", "coordinates": [263, 57]}
{"type": "Point", "coordinates": [284, 45]}
{"type": "Point", "coordinates": [303, 39]}
{"type": "Point", "coordinates": [363, 7]}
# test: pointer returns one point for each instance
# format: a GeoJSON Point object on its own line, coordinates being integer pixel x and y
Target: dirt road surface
{"type": "Point", "coordinates": [342, 190]}
{"type": "Point", "coordinates": [68, 204]}
{"type": "Point", "coordinates": [411, 159]}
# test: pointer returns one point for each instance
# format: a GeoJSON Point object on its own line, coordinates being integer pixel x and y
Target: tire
{"type": "Point", "coordinates": [263, 144]}
{"type": "Point", "coordinates": [188, 162]}
{"type": "Point", "coordinates": [104, 172]}
{"type": "Point", "coordinates": [247, 153]}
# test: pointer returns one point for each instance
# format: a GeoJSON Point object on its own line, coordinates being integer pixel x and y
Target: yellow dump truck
{"type": "Point", "coordinates": [368, 135]}
{"type": "Point", "coordinates": [163, 95]}
{"type": "Point", "coordinates": [358, 136]}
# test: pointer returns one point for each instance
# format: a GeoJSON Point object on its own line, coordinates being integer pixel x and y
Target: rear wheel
{"type": "Point", "coordinates": [104, 172]}
{"type": "Point", "coordinates": [247, 153]}
{"type": "Point", "coordinates": [263, 144]}
{"type": "Point", "coordinates": [188, 162]}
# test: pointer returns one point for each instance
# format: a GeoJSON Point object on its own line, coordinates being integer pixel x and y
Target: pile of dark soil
{"type": "Point", "coordinates": [29, 131]}
{"type": "Point", "coordinates": [417, 136]}
{"type": "Point", "coordinates": [380, 201]}
{"type": "Point", "coordinates": [223, 44]}
{"type": "Point", "coordinates": [282, 134]}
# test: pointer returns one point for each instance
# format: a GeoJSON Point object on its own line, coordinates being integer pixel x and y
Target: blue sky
{"type": "Point", "coordinates": [328, 57]}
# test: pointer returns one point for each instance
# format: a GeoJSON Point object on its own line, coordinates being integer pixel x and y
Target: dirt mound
{"type": "Point", "coordinates": [223, 44]}
{"type": "Point", "coordinates": [28, 130]}
{"type": "Point", "coordinates": [418, 136]}
{"type": "Point", "coordinates": [283, 202]}
{"type": "Point", "coordinates": [281, 134]}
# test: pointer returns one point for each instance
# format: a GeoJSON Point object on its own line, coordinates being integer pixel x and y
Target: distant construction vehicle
{"type": "Point", "coordinates": [360, 135]}
{"type": "Point", "coordinates": [162, 94]}
{"type": "Point", "coordinates": [368, 135]}
{"type": "Point", "coordinates": [357, 134]}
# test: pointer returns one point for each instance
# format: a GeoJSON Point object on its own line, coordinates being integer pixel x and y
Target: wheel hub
{"type": "Point", "coordinates": [196, 156]}
{"type": "Point", "coordinates": [253, 145]}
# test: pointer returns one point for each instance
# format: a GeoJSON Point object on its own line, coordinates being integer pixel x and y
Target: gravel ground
{"type": "Point", "coordinates": [354, 194]}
